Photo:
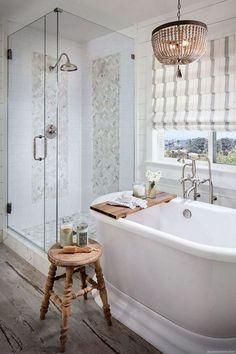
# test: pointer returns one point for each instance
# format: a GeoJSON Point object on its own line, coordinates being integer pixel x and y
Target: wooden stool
{"type": "Point", "coordinates": [74, 262]}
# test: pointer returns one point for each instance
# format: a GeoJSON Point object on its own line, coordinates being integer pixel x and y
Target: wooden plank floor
{"type": "Point", "coordinates": [21, 331]}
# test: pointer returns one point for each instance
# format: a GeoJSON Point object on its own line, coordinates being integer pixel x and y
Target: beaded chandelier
{"type": "Point", "coordinates": [180, 42]}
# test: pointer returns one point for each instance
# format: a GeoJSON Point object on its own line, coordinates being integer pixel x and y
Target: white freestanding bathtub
{"type": "Point", "coordinates": [173, 279]}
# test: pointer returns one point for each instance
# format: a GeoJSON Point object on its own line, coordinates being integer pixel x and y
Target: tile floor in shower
{"type": "Point", "coordinates": [35, 234]}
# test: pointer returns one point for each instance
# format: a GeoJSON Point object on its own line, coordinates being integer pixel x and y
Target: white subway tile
{"type": "Point", "coordinates": [141, 64]}
{"type": "Point", "coordinates": [141, 126]}
{"type": "Point", "coordinates": [141, 96]}
{"type": "Point", "coordinates": [1, 47]}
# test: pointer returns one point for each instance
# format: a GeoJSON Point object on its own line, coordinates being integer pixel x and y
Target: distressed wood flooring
{"type": "Point", "coordinates": [21, 331]}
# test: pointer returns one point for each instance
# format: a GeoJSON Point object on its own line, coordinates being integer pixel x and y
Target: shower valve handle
{"type": "Point", "coordinates": [35, 147]}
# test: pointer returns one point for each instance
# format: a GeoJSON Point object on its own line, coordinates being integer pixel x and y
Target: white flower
{"type": "Point", "coordinates": [153, 176]}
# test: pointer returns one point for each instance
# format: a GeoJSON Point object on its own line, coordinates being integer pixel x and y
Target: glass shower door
{"type": "Point", "coordinates": [52, 96]}
{"type": "Point", "coordinates": [37, 166]}
{"type": "Point", "coordinates": [27, 144]}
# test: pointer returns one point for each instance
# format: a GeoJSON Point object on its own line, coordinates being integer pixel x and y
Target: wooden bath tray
{"type": "Point", "coordinates": [117, 212]}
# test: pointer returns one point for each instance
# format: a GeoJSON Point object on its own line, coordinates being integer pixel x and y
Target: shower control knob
{"type": "Point", "coordinates": [51, 131]}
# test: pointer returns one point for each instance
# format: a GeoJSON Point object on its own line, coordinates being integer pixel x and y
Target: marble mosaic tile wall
{"type": "Point", "coordinates": [105, 112]}
{"type": "Point", "coordinates": [36, 233]}
{"type": "Point", "coordinates": [38, 167]}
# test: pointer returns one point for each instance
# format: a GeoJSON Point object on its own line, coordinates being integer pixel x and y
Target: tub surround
{"type": "Point", "coordinates": [185, 257]}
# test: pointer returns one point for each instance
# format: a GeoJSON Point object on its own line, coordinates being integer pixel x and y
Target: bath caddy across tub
{"type": "Point", "coordinates": [118, 212]}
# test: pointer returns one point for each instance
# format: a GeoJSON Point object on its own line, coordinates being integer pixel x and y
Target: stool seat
{"type": "Point", "coordinates": [72, 263]}
{"type": "Point", "coordinates": [60, 259]}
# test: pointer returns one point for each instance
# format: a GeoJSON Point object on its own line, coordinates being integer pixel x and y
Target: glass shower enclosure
{"type": "Point", "coordinates": [70, 132]}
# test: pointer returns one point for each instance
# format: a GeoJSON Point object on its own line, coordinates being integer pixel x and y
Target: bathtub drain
{"type": "Point", "coordinates": [187, 213]}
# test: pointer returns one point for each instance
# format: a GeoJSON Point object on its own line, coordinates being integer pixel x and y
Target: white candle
{"type": "Point", "coordinates": [139, 190]}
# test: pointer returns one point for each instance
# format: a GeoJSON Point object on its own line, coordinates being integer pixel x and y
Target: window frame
{"type": "Point", "coordinates": [158, 149]}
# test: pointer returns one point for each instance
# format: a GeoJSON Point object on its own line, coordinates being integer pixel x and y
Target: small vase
{"type": "Point", "coordinates": [152, 191]}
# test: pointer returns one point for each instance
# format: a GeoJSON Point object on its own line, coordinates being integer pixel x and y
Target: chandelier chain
{"type": "Point", "coordinates": [178, 13]}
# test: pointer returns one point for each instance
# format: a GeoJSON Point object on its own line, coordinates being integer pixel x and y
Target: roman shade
{"type": "Point", "coordinates": [205, 97]}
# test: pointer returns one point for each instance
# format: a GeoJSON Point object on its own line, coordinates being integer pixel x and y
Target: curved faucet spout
{"type": "Point", "coordinates": [190, 190]}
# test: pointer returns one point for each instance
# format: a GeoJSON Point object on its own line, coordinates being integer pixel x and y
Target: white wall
{"type": "Point", "coordinates": [223, 178]}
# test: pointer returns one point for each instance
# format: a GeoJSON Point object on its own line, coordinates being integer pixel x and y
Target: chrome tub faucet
{"type": "Point", "coordinates": [192, 178]}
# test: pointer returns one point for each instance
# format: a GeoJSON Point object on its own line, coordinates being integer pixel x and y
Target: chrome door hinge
{"type": "Point", "coordinates": [9, 208]}
{"type": "Point", "coordinates": [9, 54]}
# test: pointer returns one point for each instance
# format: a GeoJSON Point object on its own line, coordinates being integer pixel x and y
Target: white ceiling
{"type": "Point", "coordinates": [71, 27]}
{"type": "Point", "coordinates": [115, 14]}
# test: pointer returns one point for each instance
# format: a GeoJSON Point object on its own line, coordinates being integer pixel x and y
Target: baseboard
{"type": "Point", "coordinates": [25, 249]}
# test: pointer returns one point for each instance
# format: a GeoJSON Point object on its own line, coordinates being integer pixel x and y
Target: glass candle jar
{"type": "Point", "coordinates": [66, 233]}
{"type": "Point", "coordinates": [139, 190]}
{"type": "Point", "coordinates": [82, 234]}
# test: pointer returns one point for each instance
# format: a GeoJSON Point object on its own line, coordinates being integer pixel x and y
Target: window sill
{"type": "Point", "coordinates": [202, 165]}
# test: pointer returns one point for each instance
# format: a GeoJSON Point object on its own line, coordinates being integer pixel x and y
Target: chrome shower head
{"type": "Point", "coordinates": [68, 66]}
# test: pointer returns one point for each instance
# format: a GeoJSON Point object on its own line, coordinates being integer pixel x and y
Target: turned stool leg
{"type": "Point", "coordinates": [83, 280]}
{"type": "Point", "coordinates": [48, 288]}
{"type": "Point", "coordinates": [103, 292]}
{"type": "Point", "coordinates": [66, 306]}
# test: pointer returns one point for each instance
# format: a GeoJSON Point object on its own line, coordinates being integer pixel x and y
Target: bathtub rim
{"type": "Point", "coordinates": [216, 253]}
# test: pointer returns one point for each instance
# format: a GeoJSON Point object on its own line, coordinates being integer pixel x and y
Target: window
{"type": "Point", "coordinates": [225, 148]}
{"type": "Point", "coordinates": [220, 147]}
{"type": "Point", "coordinates": [189, 141]}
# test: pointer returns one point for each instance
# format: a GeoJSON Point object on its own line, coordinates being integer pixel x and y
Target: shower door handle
{"type": "Point", "coordinates": [35, 147]}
